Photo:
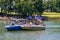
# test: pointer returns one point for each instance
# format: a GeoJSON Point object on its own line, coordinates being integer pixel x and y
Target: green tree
{"type": "Point", "coordinates": [52, 5]}
{"type": "Point", "coordinates": [23, 7]}
{"type": "Point", "coordinates": [28, 8]}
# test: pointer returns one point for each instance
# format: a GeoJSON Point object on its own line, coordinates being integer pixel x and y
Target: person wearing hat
{"type": "Point", "coordinates": [39, 19]}
{"type": "Point", "coordinates": [30, 19]}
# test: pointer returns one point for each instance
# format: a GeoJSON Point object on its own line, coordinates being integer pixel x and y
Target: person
{"type": "Point", "coordinates": [39, 19]}
{"type": "Point", "coordinates": [23, 22]}
{"type": "Point", "coordinates": [30, 19]}
{"type": "Point", "coordinates": [12, 23]}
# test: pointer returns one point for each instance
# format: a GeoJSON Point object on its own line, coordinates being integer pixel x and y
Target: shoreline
{"type": "Point", "coordinates": [52, 16]}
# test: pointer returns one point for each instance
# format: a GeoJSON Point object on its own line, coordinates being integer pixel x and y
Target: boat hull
{"type": "Point", "coordinates": [33, 28]}
{"type": "Point", "coordinates": [15, 28]}
{"type": "Point", "coordinates": [24, 27]}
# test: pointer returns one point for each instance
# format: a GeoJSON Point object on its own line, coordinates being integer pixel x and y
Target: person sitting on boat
{"type": "Point", "coordinates": [12, 23]}
{"type": "Point", "coordinates": [23, 22]}
{"type": "Point", "coordinates": [30, 19]}
{"type": "Point", "coordinates": [39, 19]}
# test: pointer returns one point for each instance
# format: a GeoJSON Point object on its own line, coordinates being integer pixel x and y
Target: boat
{"type": "Point", "coordinates": [24, 27]}
{"type": "Point", "coordinates": [15, 27]}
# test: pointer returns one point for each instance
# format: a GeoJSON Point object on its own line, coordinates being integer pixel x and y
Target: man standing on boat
{"type": "Point", "coordinates": [39, 19]}
{"type": "Point", "coordinates": [30, 19]}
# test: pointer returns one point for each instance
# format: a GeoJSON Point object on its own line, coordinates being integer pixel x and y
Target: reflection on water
{"type": "Point", "coordinates": [30, 35]}
{"type": "Point", "coordinates": [48, 34]}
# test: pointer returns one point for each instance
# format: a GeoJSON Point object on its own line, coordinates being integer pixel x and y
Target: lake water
{"type": "Point", "coordinates": [52, 32]}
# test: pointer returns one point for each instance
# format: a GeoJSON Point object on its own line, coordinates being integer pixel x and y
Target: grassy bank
{"type": "Point", "coordinates": [51, 14]}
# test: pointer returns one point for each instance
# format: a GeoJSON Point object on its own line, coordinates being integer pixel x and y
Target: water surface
{"type": "Point", "coordinates": [51, 33]}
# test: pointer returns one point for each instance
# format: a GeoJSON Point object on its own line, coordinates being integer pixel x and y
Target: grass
{"type": "Point", "coordinates": [2, 26]}
{"type": "Point", "coordinates": [51, 14]}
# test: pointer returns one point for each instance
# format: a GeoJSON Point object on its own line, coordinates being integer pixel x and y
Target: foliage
{"type": "Point", "coordinates": [29, 7]}
{"type": "Point", "coordinates": [24, 7]}
{"type": "Point", "coordinates": [52, 5]}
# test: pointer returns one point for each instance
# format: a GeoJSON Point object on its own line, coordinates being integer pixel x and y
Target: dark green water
{"type": "Point", "coordinates": [52, 32]}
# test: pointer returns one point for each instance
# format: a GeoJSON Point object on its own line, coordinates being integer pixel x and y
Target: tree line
{"type": "Point", "coordinates": [23, 7]}
{"type": "Point", "coordinates": [52, 5]}
{"type": "Point", "coordinates": [29, 7]}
